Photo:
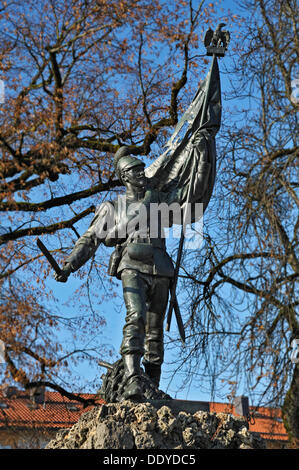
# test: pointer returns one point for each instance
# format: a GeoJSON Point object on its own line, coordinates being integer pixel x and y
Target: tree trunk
{"type": "Point", "coordinates": [290, 410]}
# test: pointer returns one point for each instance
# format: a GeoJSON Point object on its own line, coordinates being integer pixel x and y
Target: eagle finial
{"type": "Point", "coordinates": [217, 41]}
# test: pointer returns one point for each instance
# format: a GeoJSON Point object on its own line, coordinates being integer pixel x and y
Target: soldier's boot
{"type": "Point", "coordinates": [153, 371]}
{"type": "Point", "coordinates": [133, 386]}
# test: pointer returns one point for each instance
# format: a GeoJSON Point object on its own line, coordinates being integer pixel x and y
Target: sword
{"type": "Point", "coordinates": [176, 308]}
{"type": "Point", "coordinates": [179, 320]}
{"type": "Point", "coordinates": [48, 255]}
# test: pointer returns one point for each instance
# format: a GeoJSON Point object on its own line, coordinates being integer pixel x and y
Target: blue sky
{"type": "Point", "coordinates": [114, 310]}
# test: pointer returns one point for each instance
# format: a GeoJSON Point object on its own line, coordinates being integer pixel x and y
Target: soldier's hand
{"type": "Point", "coordinates": [64, 274]}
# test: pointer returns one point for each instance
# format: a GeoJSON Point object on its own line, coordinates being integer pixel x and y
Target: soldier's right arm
{"type": "Point", "coordinates": [87, 245]}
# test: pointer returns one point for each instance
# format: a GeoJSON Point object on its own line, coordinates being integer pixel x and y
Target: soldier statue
{"type": "Point", "coordinates": [183, 174]}
{"type": "Point", "coordinates": [144, 267]}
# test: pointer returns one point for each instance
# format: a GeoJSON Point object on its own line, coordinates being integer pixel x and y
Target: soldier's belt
{"type": "Point", "coordinates": [154, 242]}
{"type": "Point", "coordinates": [141, 252]}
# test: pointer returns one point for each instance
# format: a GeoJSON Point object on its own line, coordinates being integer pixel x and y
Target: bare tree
{"type": "Point", "coordinates": [243, 307]}
{"type": "Point", "coordinates": [82, 77]}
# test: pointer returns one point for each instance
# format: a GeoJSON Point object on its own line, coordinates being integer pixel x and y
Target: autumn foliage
{"type": "Point", "coordinates": [81, 77]}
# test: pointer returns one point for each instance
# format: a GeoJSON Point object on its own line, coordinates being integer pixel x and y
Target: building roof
{"type": "Point", "coordinates": [265, 421]}
{"type": "Point", "coordinates": [56, 411]}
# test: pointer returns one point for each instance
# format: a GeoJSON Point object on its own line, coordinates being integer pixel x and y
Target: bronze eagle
{"type": "Point", "coordinates": [217, 38]}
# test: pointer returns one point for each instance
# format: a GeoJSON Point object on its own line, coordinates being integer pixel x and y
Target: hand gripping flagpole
{"type": "Point", "coordinates": [219, 42]}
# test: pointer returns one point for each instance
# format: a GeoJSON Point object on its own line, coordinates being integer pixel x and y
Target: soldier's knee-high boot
{"type": "Point", "coordinates": [154, 348]}
{"type": "Point", "coordinates": [132, 374]}
{"type": "Point", "coordinates": [154, 372]}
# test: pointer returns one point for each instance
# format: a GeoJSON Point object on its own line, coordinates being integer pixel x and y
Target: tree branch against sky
{"type": "Point", "coordinates": [82, 77]}
{"type": "Point", "coordinates": [244, 279]}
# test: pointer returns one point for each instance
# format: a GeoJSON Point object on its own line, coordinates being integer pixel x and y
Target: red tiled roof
{"type": "Point", "coordinates": [56, 411]}
{"type": "Point", "coordinates": [266, 421]}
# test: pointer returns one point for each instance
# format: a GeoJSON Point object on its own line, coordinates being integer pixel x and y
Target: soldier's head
{"type": "Point", "coordinates": [129, 169]}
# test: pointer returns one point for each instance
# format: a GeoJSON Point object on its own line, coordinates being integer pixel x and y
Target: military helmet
{"type": "Point", "coordinates": [124, 161]}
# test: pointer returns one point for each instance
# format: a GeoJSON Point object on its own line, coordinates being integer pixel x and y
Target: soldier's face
{"type": "Point", "coordinates": [135, 176]}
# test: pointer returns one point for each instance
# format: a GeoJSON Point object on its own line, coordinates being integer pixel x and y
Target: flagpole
{"type": "Point", "coordinates": [182, 237]}
{"type": "Point", "coordinates": [216, 43]}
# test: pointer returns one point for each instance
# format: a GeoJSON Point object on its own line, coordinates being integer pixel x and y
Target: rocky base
{"type": "Point", "coordinates": [130, 425]}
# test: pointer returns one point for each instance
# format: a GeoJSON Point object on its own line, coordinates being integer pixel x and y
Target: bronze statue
{"type": "Point", "coordinates": [183, 174]}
